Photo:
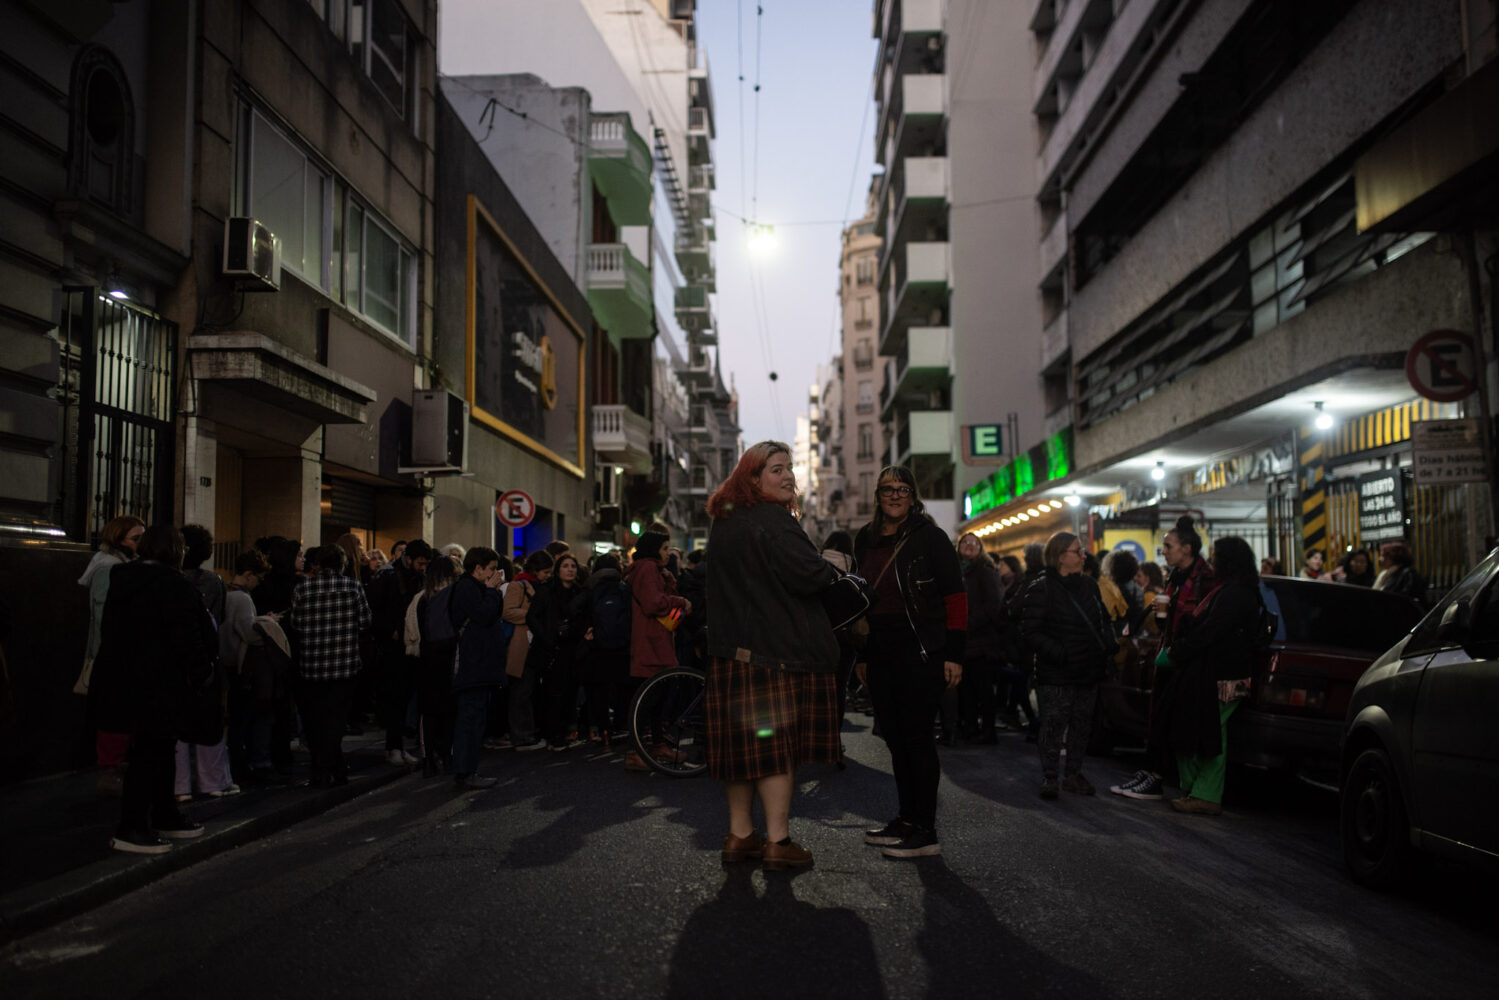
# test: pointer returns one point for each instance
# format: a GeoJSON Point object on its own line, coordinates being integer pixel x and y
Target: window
{"type": "Point", "coordinates": [102, 132]}
{"type": "Point", "coordinates": [382, 42]}
{"type": "Point", "coordinates": [379, 274]}
{"type": "Point", "coordinates": [866, 396]}
{"type": "Point", "coordinates": [864, 271]}
{"type": "Point", "coordinates": [289, 195]}
{"type": "Point", "coordinates": [866, 445]}
{"type": "Point", "coordinates": [328, 237]}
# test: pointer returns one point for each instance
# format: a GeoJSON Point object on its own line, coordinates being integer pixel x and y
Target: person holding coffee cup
{"type": "Point", "coordinates": [1191, 578]}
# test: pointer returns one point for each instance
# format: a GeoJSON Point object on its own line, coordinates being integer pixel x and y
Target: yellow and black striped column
{"type": "Point", "coordinates": [1311, 455]}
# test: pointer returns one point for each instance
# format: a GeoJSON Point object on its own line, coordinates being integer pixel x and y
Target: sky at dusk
{"type": "Point", "coordinates": [816, 62]}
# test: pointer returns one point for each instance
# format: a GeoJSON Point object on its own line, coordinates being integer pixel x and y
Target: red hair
{"type": "Point", "coordinates": [740, 489]}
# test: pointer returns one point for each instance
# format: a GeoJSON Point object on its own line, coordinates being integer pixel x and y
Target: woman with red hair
{"type": "Point", "coordinates": [772, 695]}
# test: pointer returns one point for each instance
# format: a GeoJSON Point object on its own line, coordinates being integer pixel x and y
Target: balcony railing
{"type": "Point", "coordinates": [621, 164]}
{"type": "Point", "coordinates": [622, 436]}
{"type": "Point", "coordinates": [619, 290]}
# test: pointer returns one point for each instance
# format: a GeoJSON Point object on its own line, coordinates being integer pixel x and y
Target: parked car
{"type": "Point", "coordinates": [1328, 634]}
{"type": "Point", "coordinates": [1421, 744]}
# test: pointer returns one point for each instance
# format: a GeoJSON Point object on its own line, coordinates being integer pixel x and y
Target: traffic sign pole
{"type": "Point", "coordinates": [1469, 251]}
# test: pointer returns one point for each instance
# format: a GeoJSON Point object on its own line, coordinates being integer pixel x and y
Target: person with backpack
{"type": "Point", "coordinates": [605, 657]}
{"type": "Point", "coordinates": [436, 646]}
{"type": "Point", "coordinates": [1209, 674]}
{"type": "Point", "coordinates": [474, 610]}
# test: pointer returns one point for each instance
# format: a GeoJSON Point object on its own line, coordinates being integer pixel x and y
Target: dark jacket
{"type": "Point", "coordinates": [273, 594]}
{"type": "Point", "coordinates": [157, 647]}
{"type": "Point", "coordinates": [476, 610]}
{"type": "Point", "coordinates": [389, 596]}
{"type": "Point", "coordinates": [550, 619]}
{"type": "Point", "coordinates": [1211, 645]}
{"type": "Point", "coordinates": [764, 594]}
{"type": "Point", "coordinates": [1065, 627]}
{"type": "Point", "coordinates": [931, 585]}
{"type": "Point", "coordinates": [987, 616]}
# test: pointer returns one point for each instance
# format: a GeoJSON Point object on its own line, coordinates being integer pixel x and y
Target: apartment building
{"type": "Point", "coordinates": [217, 294]}
{"type": "Point", "coordinates": [1240, 245]}
{"type": "Point", "coordinates": [956, 219]}
{"type": "Point", "coordinates": [868, 401]}
{"type": "Point", "coordinates": [637, 60]}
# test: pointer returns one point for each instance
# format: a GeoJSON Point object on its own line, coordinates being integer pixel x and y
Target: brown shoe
{"type": "Point", "coordinates": [634, 762]}
{"type": "Point", "coordinates": [750, 848]}
{"type": "Point", "coordinates": [1077, 784]}
{"type": "Point", "coordinates": [781, 856]}
{"type": "Point", "coordinates": [1196, 807]}
{"type": "Point", "coordinates": [667, 754]}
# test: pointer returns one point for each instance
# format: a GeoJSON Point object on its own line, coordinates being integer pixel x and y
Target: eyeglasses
{"type": "Point", "coordinates": [894, 491]}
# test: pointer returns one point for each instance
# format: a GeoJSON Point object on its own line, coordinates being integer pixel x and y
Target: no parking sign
{"type": "Point", "coordinates": [515, 508]}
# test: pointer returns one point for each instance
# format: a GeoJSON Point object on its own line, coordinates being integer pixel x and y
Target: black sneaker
{"type": "Point", "coordinates": [179, 829]}
{"type": "Point", "coordinates": [1146, 786]}
{"type": "Point", "coordinates": [139, 842]}
{"type": "Point", "coordinates": [892, 832]}
{"type": "Point", "coordinates": [918, 843]}
{"type": "Point", "coordinates": [1049, 787]}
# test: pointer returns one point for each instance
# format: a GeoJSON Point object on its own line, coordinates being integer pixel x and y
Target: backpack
{"type": "Point", "coordinates": [611, 615]}
{"type": "Point", "coordinates": [440, 627]}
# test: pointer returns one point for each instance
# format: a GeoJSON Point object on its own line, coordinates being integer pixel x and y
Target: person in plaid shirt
{"type": "Point", "coordinates": [328, 613]}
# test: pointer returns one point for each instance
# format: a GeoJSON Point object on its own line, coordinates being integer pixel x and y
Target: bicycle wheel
{"type": "Point", "coordinates": [667, 722]}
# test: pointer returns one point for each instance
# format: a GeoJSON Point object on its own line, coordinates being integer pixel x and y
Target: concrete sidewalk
{"type": "Point", "coordinates": [55, 858]}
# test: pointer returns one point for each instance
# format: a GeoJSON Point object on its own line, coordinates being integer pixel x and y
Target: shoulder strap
{"type": "Point", "coordinates": [895, 552]}
{"type": "Point", "coordinates": [1086, 621]}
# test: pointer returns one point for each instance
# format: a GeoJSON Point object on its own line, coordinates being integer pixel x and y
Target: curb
{"type": "Point", "coordinates": [45, 904]}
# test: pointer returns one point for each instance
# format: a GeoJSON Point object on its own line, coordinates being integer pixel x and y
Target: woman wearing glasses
{"type": "Point", "coordinates": [1064, 625]}
{"type": "Point", "coordinates": [917, 629]}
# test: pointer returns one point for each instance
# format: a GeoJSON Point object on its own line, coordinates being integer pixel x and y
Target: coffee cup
{"type": "Point", "coordinates": [1162, 605]}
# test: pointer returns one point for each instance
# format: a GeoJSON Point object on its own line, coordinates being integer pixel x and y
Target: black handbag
{"type": "Point", "coordinates": [847, 600]}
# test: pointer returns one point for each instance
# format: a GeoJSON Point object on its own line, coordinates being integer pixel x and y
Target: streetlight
{"type": "Point", "coordinates": [762, 239]}
{"type": "Point", "coordinates": [1324, 419]}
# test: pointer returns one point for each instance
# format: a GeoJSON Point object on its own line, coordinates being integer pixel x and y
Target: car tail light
{"type": "Point", "coordinates": [1306, 693]}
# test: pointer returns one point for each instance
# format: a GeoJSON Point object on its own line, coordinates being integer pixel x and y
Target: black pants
{"type": "Point", "coordinates": [397, 673]}
{"type": "Point", "coordinates": [325, 707]}
{"type": "Point", "coordinates": [434, 694]}
{"type": "Point", "coordinates": [976, 695]}
{"type": "Point", "coordinates": [906, 691]}
{"type": "Point", "coordinates": [147, 800]}
{"type": "Point", "coordinates": [559, 699]}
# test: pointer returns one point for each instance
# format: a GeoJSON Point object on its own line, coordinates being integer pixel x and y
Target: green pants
{"type": "Point", "coordinates": [1202, 777]}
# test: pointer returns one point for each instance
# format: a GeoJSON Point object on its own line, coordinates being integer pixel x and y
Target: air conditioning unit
{"type": "Point", "coordinates": [251, 251]}
{"type": "Point", "coordinates": [439, 433]}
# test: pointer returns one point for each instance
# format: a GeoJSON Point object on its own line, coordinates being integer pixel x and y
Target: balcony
{"type": "Point", "coordinates": [914, 117]}
{"type": "Point", "coordinates": [923, 366]}
{"type": "Point", "coordinates": [915, 202]}
{"type": "Point", "coordinates": [695, 255]}
{"type": "Point", "coordinates": [700, 484]}
{"type": "Point", "coordinates": [692, 308]}
{"type": "Point", "coordinates": [622, 437]}
{"type": "Point", "coordinates": [620, 163]}
{"type": "Point", "coordinates": [699, 133]}
{"type": "Point", "coordinates": [619, 291]}
{"type": "Point", "coordinates": [700, 184]}
{"type": "Point", "coordinates": [698, 372]}
{"type": "Point", "coordinates": [1055, 342]}
{"type": "Point", "coordinates": [702, 426]}
{"type": "Point", "coordinates": [916, 287]}
{"type": "Point", "coordinates": [925, 440]}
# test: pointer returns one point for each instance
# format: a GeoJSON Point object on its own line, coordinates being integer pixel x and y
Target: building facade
{"type": "Point", "coordinates": [868, 404]}
{"type": "Point", "coordinates": [638, 61]}
{"type": "Point", "coordinates": [1236, 260]}
{"type": "Point", "coordinates": [218, 293]}
{"type": "Point", "coordinates": [958, 268]}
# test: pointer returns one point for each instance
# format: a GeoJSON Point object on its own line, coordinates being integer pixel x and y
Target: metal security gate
{"type": "Point", "coordinates": [119, 395]}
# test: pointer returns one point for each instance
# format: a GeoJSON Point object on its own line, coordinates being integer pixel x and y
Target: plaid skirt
{"type": "Point", "coordinates": [763, 722]}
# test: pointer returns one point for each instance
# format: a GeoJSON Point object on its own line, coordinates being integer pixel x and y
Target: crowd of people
{"type": "Point", "coordinates": [199, 685]}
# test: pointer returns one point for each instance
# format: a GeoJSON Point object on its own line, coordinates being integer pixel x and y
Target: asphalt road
{"type": "Point", "coordinates": [575, 878]}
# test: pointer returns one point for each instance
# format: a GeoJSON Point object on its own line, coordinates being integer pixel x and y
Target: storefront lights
{"type": "Point", "coordinates": [1324, 419]}
{"type": "Point", "coordinates": [1159, 472]}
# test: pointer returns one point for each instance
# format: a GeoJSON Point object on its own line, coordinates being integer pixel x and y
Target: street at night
{"type": "Point", "coordinates": [574, 878]}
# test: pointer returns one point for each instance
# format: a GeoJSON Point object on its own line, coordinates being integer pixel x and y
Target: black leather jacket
{"type": "Point", "coordinates": [931, 585]}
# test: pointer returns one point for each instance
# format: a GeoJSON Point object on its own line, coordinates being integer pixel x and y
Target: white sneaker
{"type": "Point", "coordinates": [408, 759]}
{"type": "Point", "coordinates": [233, 789]}
{"type": "Point", "coordinates": [396, 758]}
